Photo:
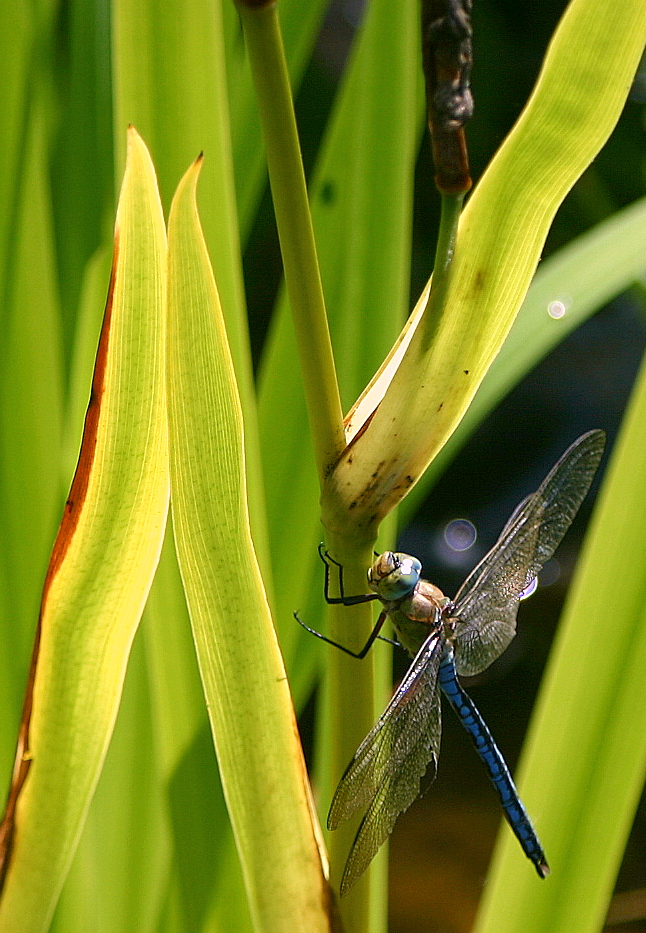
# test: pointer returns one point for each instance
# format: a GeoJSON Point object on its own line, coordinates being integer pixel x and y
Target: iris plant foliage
{"type": "Point", "coordinates": [159, 644]}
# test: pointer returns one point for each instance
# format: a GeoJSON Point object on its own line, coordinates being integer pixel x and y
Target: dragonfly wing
{"type": "Point", "coordinates": [387, 769]}
{"type": "Point", "coordinates": [487, 602]}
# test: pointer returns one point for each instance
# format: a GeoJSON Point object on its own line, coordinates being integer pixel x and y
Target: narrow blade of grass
{"type": "Point", "coordinates": [584, 763]}
{"type": "Point", "coordinates": [361, 197]}
{"type": "Point", "coordinates": [198, 820]}
{"type": "Point", "coordinates": [261, 764]}
{"type": "Point", "coordinates": [31, 373]}
{"type": "Point", "coordinates": [102, 564]}
{"type": "Point", "coordinates": [170, 82]}
{"type": "Point", "coordinates": [83, 191]}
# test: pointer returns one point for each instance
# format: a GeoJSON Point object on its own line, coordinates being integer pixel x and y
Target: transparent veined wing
{"type": "Point", "coordinates": [388, 766]}
{"type": "Point", "coordinates": [487, 602]}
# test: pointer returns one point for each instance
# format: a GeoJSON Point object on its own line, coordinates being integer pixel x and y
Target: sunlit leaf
{"type": "Point", "coordinates": [102, 564]}
{"type": "Point", "coordinates": [260, 758]}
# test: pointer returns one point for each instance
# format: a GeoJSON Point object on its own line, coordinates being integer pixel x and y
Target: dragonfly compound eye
{"type": "Point", "coordinates": [395, 576]}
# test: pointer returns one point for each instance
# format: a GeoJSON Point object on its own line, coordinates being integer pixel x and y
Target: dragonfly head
{"type": "Point", "coordinates": [394, 575]}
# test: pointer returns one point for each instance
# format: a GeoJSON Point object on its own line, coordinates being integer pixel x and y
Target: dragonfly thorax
{"type": "Point", "coordinates": [394, 576]}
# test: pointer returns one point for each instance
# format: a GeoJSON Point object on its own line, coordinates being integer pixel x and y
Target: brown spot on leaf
{"type": "Point", "coordinates": [78, 489]}
{"type": "Point", "coordinates": [356, 437]}
{"type": "Point", "coordinates": [21, 766]}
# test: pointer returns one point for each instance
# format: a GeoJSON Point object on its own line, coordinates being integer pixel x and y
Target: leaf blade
{"type": "Point", "coordinates": [572, 111]}
{"type": "Point", "coordinates": [584, 762]}
{"type": "Point", "coordinates": [261, 765]}
{"type": "Point", "coordinates": [102, 563]}
{"type": "Point", "coordinates": [589, 271]}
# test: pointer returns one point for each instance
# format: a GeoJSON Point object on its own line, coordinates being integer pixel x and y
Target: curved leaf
{"type": "Point", "coordinates": [582, 276]}
{"type": "Point", "coordinates": [101, 568]}
{"type": "Point", "coordinates": [252, 719]}
{"type": "Point", "coordinates": [578, 98]}
{"type": "Point", "coordinates": [584, 763]}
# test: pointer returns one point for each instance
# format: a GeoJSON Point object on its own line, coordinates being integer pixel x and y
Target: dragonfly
{"type": "Point", "coordinates": [446, 638]}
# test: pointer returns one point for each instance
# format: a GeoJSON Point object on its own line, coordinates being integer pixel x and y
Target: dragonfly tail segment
{"type": "Point", "coordinates": [495, 764]}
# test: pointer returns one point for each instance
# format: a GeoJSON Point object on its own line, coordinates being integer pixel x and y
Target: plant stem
{"type": "Point", "coordinates": [347, 685]}
{"type": "Point", "coordinates": [298, 249]}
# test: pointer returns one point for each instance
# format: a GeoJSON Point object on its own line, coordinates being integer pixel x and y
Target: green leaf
{"type": "Point", "coordinates": [584, 763]}
{"type": "Point", "coordinates": [578, 98]}
{"type": "Point", "coordinates": [263, 772]}
{"type": "Point", "coordinates": [170, 82]}
{"type": "Point", "coordinates": [582, 276]}
{"type": "Point", "coordinates": [129, 787]}
{"type": "Point", "coordinates": [102, 564]}
{"type": "Point", "coordinates": [31, 372]}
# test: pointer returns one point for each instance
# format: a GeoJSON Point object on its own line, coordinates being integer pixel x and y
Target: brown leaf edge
{"type": "Point", "coordinates": [68, 525]}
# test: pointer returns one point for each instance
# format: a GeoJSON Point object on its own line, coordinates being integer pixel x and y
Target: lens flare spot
{"type": "Point", "coordinates": [460, 534]}
{"type": "Point", "coordinates": [557, 308]}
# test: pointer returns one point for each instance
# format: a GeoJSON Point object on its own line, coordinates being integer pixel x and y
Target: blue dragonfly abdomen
{"type": "Point", "coordinates": [491, 756]}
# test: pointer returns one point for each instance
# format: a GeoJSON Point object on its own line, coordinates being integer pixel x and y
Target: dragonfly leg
{"type": "Point", "coordinates": [342, 599]}
{"type": "Point", "coordinates": [491, 756]}
{"type": "Point", "coordinates": [391, 641]}
{"type": "Point", "coordinates": [374, 634]}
